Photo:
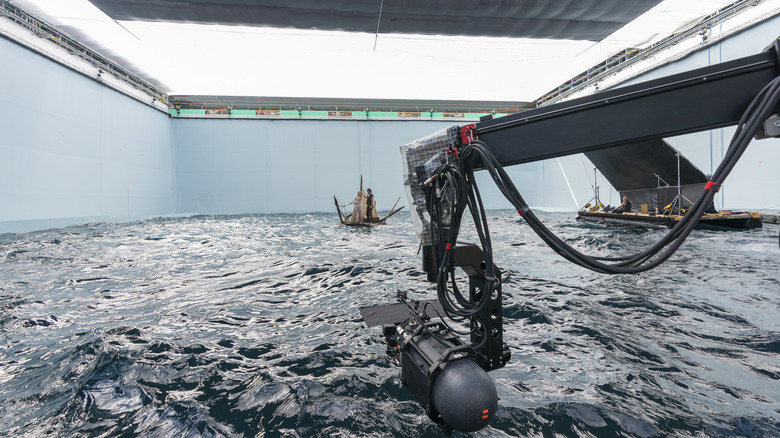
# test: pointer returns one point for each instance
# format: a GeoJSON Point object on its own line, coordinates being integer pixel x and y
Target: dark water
{"type": "Point", "coordinates": [249, 326]}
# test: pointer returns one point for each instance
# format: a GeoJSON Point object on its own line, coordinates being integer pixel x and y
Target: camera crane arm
{"type": "Point", "coordinates": [447, 376]}
{"type": "Point", "coordinates": [706, 98]}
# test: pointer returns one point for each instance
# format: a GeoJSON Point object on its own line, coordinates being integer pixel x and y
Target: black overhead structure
{"type": "Point", "coordinates": [706, 98]}
{"type": "Point", "coordinates": [591, 20]}
{"type": "Point", "coordinates": [649, 172]}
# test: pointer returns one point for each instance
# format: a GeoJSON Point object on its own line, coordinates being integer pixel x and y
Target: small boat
{"type": "Point", "coordinates": [639, 171]}
{"type": "Point", "coordinates": [345, 217]}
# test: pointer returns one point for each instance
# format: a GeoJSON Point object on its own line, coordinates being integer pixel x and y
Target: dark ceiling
{"type": "Point", "coordinates": [590, 20]}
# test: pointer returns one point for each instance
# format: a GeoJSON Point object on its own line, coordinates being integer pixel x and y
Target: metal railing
{"type": "Point", "coordinates": [630, 56]}
{"type": "Point", "coordinates": [42, 29]}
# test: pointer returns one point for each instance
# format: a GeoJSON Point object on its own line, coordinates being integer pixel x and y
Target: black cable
{"type": "Point", "coordinates": [452, 190]}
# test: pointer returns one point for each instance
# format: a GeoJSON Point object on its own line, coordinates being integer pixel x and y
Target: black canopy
{"type": "Point", "coordinates": [646, 172]}
{"type": "Point", "coordinates": [561, 19]}
{"type": "Point", "coordinates": [638, 165]}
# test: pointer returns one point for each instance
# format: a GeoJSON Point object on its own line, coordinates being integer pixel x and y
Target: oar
{"type": "Point", "coordinates": [392, 213]}
{"type": "Point", "coordinates": [341, 216]}
{"type": "Point", "coordinates": [396, 210]}
{"type": "Point", "coordinates": [384, 220]}
{"type": "Point", "coordinates": [396, 203]}
{"type": "Point", "coordinates": [391, 210]}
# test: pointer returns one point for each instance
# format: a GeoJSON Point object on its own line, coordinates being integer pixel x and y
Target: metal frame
{"type": "Point", "coordinates": [697, 100]}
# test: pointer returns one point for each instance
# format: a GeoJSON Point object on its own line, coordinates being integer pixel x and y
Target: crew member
{"type": "Point", "coordinates": [370, 206]}
{"type": "Point", "coordinates": [625, 207]}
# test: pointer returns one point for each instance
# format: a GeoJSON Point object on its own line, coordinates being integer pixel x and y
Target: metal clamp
{"type": "Point", "coordinates": [468, 133]}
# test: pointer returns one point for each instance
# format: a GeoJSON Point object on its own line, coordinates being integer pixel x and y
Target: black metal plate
{"type": "Point", "coordinates": [385, 314]}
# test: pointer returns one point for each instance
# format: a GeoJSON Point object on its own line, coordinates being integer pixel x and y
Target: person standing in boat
{"type": "Point", "coordinates": [370, 206]}
{"type": "Point", "coordinates": [625, 207]}
{"type": "Point", "coordinates": [357, 210]}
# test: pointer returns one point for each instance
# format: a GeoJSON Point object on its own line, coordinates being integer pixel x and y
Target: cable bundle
{"type": "Point", "coordinates": [451, 189]}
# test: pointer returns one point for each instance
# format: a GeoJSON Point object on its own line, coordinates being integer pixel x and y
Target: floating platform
{"type": "Point", "coordinates": [722, 220]}
{"type": "Point", "coordinates": [771, 218]}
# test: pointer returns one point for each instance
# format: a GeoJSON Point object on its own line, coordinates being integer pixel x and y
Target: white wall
{"type": "Point", "coordinates": [271, 166]}
{"type": "Point", "coordinates": [72, 150]}
{"type": "Point", "coordinates": [268, 166]}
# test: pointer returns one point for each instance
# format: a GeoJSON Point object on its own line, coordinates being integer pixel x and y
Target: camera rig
{"type": "Point", "coordinates": [438, 367]}
{"type": "Point", "coordinates": [449, 376]}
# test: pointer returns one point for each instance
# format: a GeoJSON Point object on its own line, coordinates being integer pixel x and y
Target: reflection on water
{"type": "Point", "coordinates": [249, 325]}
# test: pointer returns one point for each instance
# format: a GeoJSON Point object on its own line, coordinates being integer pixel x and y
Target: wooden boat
{"type": "Point", "coordinates": [344, 217]}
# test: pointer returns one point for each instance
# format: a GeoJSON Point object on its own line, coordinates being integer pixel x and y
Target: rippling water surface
{"type": "Point", "coordinates": [249, 326]}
